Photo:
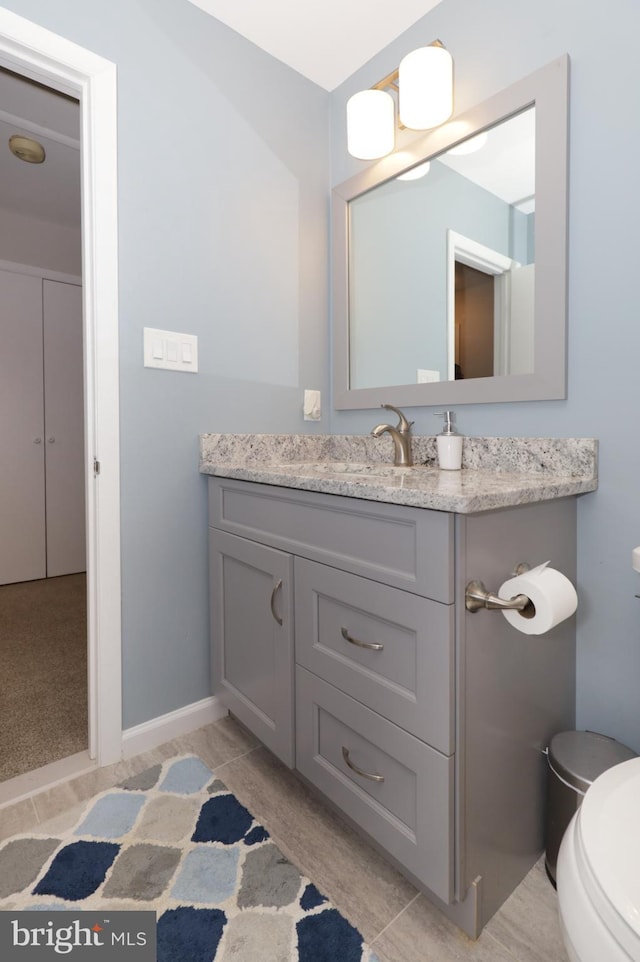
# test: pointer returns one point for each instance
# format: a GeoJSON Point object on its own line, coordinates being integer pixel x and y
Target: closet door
{"type": "Point", "coordinates": [64, 428]}
{"type": "Point", "coordinates": [22, 445]}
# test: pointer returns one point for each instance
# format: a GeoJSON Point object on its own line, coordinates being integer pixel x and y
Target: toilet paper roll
{"type": "Point", "coordinates": [551, 593]}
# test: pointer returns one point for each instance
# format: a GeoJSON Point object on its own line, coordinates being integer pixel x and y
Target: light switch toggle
{"type": "Point", "coordinates": [170, 350]}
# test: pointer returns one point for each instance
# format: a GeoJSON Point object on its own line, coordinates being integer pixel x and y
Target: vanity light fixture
{"type": "Point", "coordinates": [425, 81]}
{"type": "Point", "coordinates": [424, 86]}
{"type": "Point", "coordinates": [370, 124]}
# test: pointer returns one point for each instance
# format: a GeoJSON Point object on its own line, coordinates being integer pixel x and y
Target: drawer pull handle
{"type": "Point", "coordinates": [370, 646]}
{"type": "Point", "coordinates": [276, 588]}
{"type": "Point", "coordinates": [360, 771]}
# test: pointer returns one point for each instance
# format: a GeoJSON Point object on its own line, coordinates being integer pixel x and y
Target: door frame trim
{"type": "Point", "coordinates": [29, 49]}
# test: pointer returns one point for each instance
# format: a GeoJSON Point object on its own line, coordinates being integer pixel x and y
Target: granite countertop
{"type": "Point", "coordinates": [496, 472]}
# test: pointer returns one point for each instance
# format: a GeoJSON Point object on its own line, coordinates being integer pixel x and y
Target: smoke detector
{"type": "Point", "coordinates": [26, 149]}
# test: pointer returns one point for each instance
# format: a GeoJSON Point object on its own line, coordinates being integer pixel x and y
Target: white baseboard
{"type": "Point", "coordinates": [157, 731]}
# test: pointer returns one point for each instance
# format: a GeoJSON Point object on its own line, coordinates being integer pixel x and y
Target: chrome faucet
{"type": "Point", "coordinates": [401, 436]}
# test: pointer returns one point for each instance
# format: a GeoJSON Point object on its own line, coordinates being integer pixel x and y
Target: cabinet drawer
{"type": "Point", "coordinates": [408, 808]}
{"type": "Point", "coordinates": [405, 673]}
{"type": "Point", "coordinates": [405, 547]}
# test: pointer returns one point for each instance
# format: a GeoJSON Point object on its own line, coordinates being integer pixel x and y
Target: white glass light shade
{"type": "Point", "coordinates": [416, 172]}
{"type": "Point", "coordinates": [469, 146]}
{"type": "Point", "coordinates": [426, 87]}
{"type": "Point", "coordinates": [370, 124]}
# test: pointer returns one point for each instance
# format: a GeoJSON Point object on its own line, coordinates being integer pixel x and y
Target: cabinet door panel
{"type": "Point", "coordinates": [22, 445]}
{"type": "Point", "coordinates": [252, 636]}
{"type": "Point", "coordinates": [64, 428]}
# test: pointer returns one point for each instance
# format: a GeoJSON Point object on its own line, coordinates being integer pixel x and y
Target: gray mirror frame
{"type": "Point", "coordinates": [547, 89]}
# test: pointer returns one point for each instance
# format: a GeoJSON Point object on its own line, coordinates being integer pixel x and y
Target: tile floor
{"type": "Point", "coordinates": [393, 917]}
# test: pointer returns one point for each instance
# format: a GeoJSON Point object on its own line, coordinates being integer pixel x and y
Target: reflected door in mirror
{"type": "Point", "coordinates": [473, 322]}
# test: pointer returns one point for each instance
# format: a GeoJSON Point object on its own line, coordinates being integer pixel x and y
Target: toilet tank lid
{"type": "Point", "coordinates": [579, 757]}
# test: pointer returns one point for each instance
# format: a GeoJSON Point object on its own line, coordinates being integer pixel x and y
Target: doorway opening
{"type": "Point", "coordinates": [44, 57]}
{"type": "Point", "coordinates": [43, 623]}
{"type": "Point", "coordinates": [474, 322]}
{"type": "Point", "coordinates": [489, 311]}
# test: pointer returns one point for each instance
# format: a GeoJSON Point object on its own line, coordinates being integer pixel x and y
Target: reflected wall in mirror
{"type": "Point", "coordinates": [436, 252]}
{"type": "Point", "coordinates": [450, 259]}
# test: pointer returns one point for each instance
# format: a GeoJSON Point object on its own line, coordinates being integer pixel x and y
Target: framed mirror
{"type": "Point", "coordinates": [450, 259]}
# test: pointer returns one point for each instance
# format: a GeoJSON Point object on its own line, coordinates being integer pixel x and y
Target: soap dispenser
{"type": "Point", "coordinates": [449, 444]}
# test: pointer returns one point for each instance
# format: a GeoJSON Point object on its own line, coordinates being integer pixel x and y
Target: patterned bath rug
{"type": "Point", "coordinates": [176, 841]}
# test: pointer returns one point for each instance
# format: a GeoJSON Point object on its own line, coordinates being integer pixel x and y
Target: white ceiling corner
{"type": "Point", "coordinates": [324, 40]}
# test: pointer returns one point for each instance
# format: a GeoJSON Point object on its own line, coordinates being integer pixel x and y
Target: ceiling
{"type": "Point", "coordinates": [324, 40]}
{"type": "Point", "coordinates": [329, 40]}
{"type": "Point", "coordinates": [505, 164]}
{"type": "Point", "coordinates": [48, 191]}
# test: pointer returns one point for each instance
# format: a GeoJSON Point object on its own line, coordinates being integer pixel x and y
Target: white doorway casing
{"type": "Point", "coordinates": [465, 250]}
{"type": "Point", "coordinates": [29, 49]}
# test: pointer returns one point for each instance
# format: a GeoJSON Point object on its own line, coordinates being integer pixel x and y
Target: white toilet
{"type": "Point", "coordinates": [598, 872]}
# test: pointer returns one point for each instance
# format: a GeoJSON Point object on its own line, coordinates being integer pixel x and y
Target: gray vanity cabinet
{"type": "Point", "coordinates": [423, 723]}
{"type": "Point", "coordinates": [374, 652]}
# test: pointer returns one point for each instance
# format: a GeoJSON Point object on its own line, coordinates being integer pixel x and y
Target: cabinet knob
{"type": "Point", "coordinates": [51, 440]}
{"type": "Point", "coordinates": [37, 440]}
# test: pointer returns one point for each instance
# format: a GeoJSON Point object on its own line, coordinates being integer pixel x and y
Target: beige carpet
{"type": "Point", "coordinates": [43, 672]}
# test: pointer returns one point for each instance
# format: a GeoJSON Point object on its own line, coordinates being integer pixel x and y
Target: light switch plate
{"type": "Point", "coordinates": [170, 350]}
{"type": "Point", "coordinates": [312, 406]}
{"type": "Point", "coordinates": [425, 376]}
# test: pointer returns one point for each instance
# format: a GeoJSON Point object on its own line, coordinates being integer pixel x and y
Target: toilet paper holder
{"type": "Point", "coordinates": [477, 597]}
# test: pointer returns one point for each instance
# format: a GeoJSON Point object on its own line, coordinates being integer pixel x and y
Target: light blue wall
{"type": "Point", "coordinates": [398, 267]}
{"type": "Point", "coordinates": [223, 170]}
{"type": "Point", "coordinates": [223, 177]}
{"type": "Point", "coordinates": [493, 44]}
